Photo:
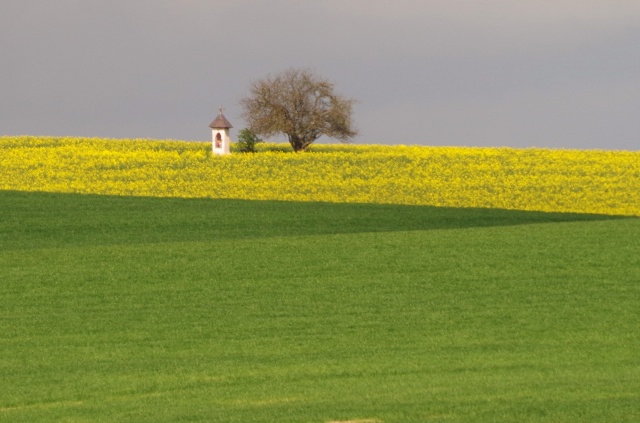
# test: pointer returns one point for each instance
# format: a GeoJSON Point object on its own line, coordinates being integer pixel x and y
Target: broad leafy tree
{"type": "Point", "coordinates": [300, 105]}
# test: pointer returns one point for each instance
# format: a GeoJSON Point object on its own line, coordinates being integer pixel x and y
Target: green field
{"type": "Point", "coordinates": [129, 309]}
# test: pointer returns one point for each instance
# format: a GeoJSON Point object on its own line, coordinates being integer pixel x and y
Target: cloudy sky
{"type": "Point", "coordinates": [517, 73]}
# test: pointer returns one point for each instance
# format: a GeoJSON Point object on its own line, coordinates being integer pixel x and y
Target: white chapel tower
{"type": "Point", "coordinates": [220, 134]}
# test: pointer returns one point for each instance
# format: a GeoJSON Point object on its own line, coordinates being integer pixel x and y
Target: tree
{"type": "Point", "coordinates": [300, 105]}
{"type": "Point", "coordinates": [247, 141]}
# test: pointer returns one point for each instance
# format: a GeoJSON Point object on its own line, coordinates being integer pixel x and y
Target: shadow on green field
{"type": "Point", "coordinates": [43, 220]}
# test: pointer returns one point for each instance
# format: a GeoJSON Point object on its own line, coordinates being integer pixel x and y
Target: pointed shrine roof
{"type": "Point", "coordinates": [220, 122]}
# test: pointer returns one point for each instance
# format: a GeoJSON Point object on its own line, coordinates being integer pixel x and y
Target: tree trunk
{"type": "Point", "coordinates": [297, 143]}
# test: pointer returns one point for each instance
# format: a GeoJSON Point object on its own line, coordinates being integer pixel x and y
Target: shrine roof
{"type": "Point", "coordinates": [220, 122]}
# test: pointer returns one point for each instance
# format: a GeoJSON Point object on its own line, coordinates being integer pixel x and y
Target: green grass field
{"type": "Point", "coordinates": [126, 309]}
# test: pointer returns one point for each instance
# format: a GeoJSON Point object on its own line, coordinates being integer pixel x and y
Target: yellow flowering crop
{"type": "Point", "coordinates": [593, 181]}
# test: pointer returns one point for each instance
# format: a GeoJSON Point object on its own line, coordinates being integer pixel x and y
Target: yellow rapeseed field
{"type": "Point", "coordinates": [592, 181]}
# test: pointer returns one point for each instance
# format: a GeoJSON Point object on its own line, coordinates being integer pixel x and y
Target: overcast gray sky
{"type": "Point", "coordinates": [517, 73]}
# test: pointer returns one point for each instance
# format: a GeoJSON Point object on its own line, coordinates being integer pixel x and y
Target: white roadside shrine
{"type": "Point", "coordinates": [220, 134]}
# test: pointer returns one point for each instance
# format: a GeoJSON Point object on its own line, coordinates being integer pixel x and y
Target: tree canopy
{"type": "Point", "coordinates": [300, 105]}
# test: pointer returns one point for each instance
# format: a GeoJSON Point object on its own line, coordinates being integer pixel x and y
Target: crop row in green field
{"type": "Point", "coordinates": [595, 181]}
